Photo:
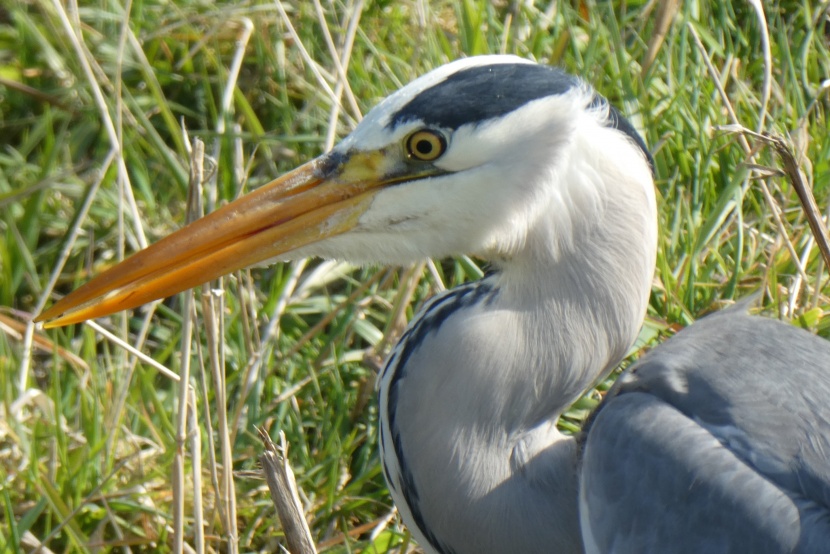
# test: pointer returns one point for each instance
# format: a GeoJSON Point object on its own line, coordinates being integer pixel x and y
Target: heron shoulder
{"type": "Point", "coordinates": [646, 462]}
{"type": "Point", "coordinates": [756, 386]}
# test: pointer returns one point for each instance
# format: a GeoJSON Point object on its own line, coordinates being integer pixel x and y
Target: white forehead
{"type": "Point", "coordinates": [372, 131]}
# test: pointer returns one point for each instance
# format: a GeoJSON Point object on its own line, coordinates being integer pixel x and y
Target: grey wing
{"type": "Point", "coordinates": [718, 441]}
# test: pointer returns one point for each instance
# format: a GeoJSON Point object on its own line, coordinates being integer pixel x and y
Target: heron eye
{"type": "Point", "coordinates": [425, 145]}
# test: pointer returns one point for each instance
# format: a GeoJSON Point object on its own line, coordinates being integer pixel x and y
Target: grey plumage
{"type": "Point", "coordinates": [685, 455]}
{"type": "Point", "coordinates": [716, 442]}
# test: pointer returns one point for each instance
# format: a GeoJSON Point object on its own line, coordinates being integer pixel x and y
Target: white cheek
{"type": "Point", "coordinates": [427, 204]}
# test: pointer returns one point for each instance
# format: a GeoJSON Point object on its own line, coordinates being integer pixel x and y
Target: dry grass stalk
{"type": "Point", "coordinates": [284, 494]}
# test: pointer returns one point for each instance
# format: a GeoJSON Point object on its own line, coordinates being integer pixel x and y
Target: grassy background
{"type": "Point", "coordinates": [94, 163]}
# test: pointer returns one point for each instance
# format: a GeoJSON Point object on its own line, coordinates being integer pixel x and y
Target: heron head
{"type": "Point", "coordinates": [466, 159]}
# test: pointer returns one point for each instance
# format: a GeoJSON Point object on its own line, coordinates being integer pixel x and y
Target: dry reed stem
{"type": "Point", "coordinates": [666, 12]}
{"type": "Point", "coordinates": [213, 318]}
{"type": "Point", "coordinates": [285, 495]}
{"type": "Point", "coordinates": [139, 355]}
{"type": "Point", "coordinates": [775, 209]}
{"type": "Point", "coordinates": [195, 434]}
{"type": "Point", "coordinates": [69, 243]}
{"type": "Point", "coordinates": [194, 211]}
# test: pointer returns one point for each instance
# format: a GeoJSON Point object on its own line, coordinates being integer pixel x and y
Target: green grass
{"type": "Point", "coordinates": [87, 444]}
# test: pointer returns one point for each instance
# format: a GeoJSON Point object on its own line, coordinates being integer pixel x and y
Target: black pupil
{"type": "Point", "coordinates": [423, 147]}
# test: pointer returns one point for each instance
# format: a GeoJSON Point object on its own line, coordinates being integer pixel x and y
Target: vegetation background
{"type": "Point", "coordinates": [98, 104]}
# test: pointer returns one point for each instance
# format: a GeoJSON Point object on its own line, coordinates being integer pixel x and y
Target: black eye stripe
{"type": "Point", "coordinates": [481, 93]}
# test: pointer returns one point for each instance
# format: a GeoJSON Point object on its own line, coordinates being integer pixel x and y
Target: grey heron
{"type": "Point", "coordinates": [716, 441]}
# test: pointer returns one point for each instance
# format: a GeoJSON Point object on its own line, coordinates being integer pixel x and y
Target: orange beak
{"type": "Point", "coordinates": [320, 199]}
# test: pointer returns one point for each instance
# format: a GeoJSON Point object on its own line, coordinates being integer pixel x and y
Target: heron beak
{"type": "Point", "coordinates": [323, 198]}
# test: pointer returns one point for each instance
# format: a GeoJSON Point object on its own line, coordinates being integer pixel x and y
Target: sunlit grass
{"type": "Point", "coordinates": [87, 444]}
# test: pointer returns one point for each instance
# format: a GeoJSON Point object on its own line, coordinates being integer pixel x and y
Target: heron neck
{"type": "Point", "coordinates": [475, 401]}
{"type": "Point", "coordinates": [578, 315]}
{"type": "Point", "coordinates": [480, 396]}
{"type": "Point", "coordinates": [576, 297]}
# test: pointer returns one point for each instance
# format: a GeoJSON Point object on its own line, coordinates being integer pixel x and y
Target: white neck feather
{"type": "Point", "coordinates": [479, 414]}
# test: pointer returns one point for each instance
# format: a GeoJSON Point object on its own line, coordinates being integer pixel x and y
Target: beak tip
{"type": "Point", "coordinates": [51, 318]}
{"type": "Point", "coordinates": [44, 322]}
